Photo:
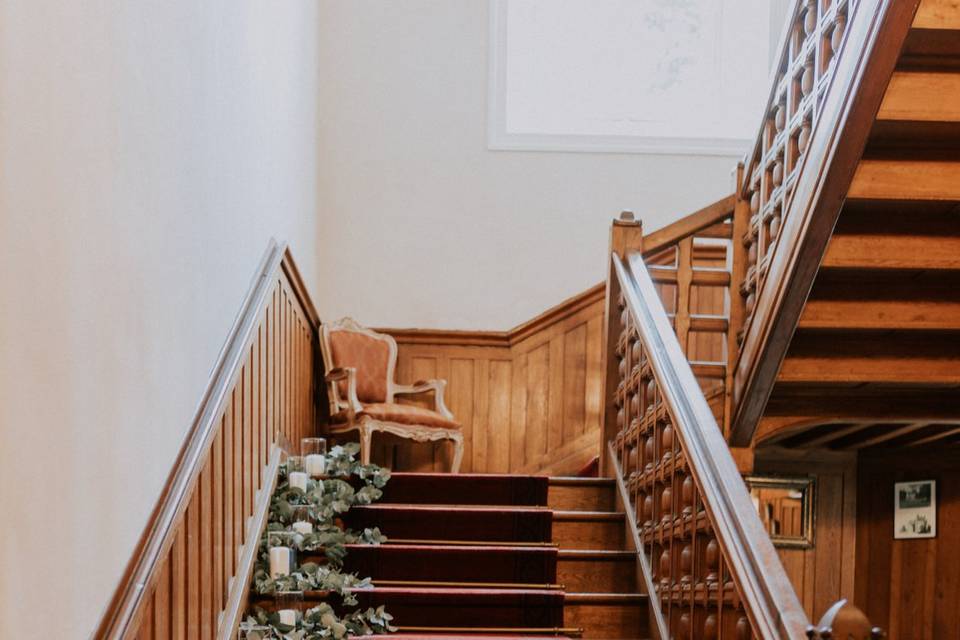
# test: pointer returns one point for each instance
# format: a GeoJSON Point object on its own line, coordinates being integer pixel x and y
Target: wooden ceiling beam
{"type": "Point", "coordinates": [935, 437]}
{"type": "Point", "coordinates": [835, 434]}
{"type": "Point", "coordinates": [937, 14]}
{"type": "Point", "coordinates": [861, 404]}
{"type": "Point", "coordinates": [887, 435]}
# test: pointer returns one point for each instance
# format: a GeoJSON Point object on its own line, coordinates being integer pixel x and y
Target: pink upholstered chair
{"type": "Point", "coordinates": [361, 365]}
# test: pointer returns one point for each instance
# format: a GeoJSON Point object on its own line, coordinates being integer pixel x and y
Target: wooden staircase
{"type": "Point", "coordinates": [500, 556]}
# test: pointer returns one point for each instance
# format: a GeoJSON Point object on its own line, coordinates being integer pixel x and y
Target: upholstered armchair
{"type": "Point", "coordinates": [360, 370]}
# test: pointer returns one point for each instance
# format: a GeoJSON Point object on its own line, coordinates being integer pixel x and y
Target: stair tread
{"type": "Point", "coordinates": [395, 506]}
{"type": "Point", "coordinates": [577, 481]}
{"type": "Point", "coordinates": [588, 515]}
{"type": "Point", "coordinates": [605, 598]}
{"type": "Point", "coordinates": [595, 554]}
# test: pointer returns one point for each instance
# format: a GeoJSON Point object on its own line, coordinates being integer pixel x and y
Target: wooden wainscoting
{"type": "Point", "coordinates": [528, 398]}
{"type": "Point", "coordinates": [824, 573]}
{"type": "Point", "coordinates": [911, 588]}
{"type": "Point", "coordinates": [261, 392]}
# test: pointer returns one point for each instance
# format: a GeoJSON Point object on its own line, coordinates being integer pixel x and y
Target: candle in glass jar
{"type": "Point", "coordinates": [280, 561]}
{"type": "Point", "coordinates": [302, 527]}
{"type": "Point", "coordinates": [297, 480]}
{"type": "Point", "coordinates": [288, 617]}
{"type": "Point", "coordinates": [315, 464]}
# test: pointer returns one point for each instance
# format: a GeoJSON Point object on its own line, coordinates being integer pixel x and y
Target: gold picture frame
{"type": "Point", "coordinates": [786, 508]}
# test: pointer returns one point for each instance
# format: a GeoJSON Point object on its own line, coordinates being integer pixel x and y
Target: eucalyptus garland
{"type": "Point", "coordinates": [325, 502]}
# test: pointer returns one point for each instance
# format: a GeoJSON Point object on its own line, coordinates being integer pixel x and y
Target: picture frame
{"type": "Point", "coordinates": [785, 505]}
{"type": "Point", "coordinates": [915, 509]}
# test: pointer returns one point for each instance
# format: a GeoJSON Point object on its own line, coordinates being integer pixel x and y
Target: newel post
{"type": "Point", "coordinates": [626, 235]}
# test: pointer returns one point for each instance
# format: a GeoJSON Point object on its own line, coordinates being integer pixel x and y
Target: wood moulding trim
{"type": "Point", "coordinates": [502, 339]}
{"type": "Point", "coordinates": [123, 613]}
{"type": "Point", "coordinates": [875, 33]}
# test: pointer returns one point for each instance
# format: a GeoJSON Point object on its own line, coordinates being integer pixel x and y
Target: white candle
{"type": "Point", "coordinates": [303, 528]}
{"type": "Point", "coordinates": [280, 559]}
{"type": "Point", "coordinates": [315, 464]}
{"type": "Point", "coordinates": [288, 617]}
{"type": "Point", "coordinates": [297, 480]}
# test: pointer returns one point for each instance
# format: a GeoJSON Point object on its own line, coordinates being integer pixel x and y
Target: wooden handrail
{"type": "Point", "coordinates": [796, 177]}
{"type": "Point", "coordinates": [260, 389]}
{"type": "Point", "coordinates": [684, 464]}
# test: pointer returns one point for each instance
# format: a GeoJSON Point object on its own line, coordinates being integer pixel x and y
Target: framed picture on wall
{"type": "Point", "coordinates": [915, 509]}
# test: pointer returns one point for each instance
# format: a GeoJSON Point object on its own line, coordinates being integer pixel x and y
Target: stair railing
{"type": "Point", "coordinates": [834, 61]}
{"type": "Point", "coordinates": [189, 575]}
{"type": "Point", "coordinates": [710, 563]}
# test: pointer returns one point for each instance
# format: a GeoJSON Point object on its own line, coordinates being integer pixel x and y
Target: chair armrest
{"type": "Point", "coordinates": [424, 386]}
{"type": "Point", "coordinates": [333, 378]}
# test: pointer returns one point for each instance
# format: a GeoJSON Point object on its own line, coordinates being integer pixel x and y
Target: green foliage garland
{"type": "Point", "coordinates": [326, 501]}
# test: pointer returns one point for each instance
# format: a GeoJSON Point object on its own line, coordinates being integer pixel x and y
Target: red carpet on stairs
{"type": "Point", "coordinates": [485, 489]}
{"type": "Point", "coordinates": [442, 522]}
{"type": "Point", "coordinates": [438, 563]}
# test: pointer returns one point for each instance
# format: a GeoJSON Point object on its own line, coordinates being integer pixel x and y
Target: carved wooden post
{"type": "Point", "coordinates": [844, 621]}
{"type": "Point", "coordinates": [738, 276]}
{"type": "Point", "coordinates": [626, 235]}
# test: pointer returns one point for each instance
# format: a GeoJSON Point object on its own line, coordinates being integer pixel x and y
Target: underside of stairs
{"type": "Point", "coordinates": [499, 556]}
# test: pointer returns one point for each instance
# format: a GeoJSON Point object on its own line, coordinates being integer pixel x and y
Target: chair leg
{"type": "Point", "coordinates": [366, 439]}
{"type": "Point", "coordinates": [457, 452]}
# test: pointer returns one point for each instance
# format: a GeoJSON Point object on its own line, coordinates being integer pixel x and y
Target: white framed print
{"type": "Point", "coordinates": [628, 76]}
{"type": "Point", "coordinates": [915, 509]}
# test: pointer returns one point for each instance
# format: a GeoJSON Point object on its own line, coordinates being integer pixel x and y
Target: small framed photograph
{"type": "Point", "coordinates": [915, 509]}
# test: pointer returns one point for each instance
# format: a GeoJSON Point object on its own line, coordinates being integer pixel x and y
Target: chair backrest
{"type": "Point", "coordinates": [345, 343]}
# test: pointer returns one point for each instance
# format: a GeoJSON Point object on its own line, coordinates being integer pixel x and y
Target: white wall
{"type": "Point", "coordinates": [148, 150]}
{"type": "Point", "coordinates": [421, 224]}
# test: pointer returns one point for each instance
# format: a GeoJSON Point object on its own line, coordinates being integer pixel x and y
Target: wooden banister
{"type": "Point", "coordinates": [834, 63]}
{"type": "Point", "coordinates": [713, 568]}
{"type": "Point", "coordinates": [178, 580]}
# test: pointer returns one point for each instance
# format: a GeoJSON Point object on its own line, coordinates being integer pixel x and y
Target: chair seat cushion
{"type": "Point", "coordinates": [403, 414]}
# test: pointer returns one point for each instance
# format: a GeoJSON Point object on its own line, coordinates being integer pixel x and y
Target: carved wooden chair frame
{"type": "Point", "coordinates": [352, 408]}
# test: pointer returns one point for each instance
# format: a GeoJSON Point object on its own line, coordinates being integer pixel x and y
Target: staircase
{"type": "Point", "coordinates": [497, 556]}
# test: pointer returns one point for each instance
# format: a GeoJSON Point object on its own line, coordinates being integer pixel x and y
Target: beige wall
{"type": "Point", "coordinates": [422, 225]}
{"type": "Point", "coordinates": [147, 152]}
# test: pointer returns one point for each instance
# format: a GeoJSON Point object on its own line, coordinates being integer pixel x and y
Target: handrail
{"type": "Point", "coordinates": [685, 465]}
{"type": "Point", "coordinates": [835, 60]}
{"type": "Point", "coordinates": [276, 280]}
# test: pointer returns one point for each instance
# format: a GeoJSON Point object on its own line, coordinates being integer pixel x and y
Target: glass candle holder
{"type": "Point", "coordinates": [250, 631]}
{"type": "Point", "coordinates": [314, 452]}
{"type": "Point", "coordinates": [302, 522]}
{"type": "Point", "coordinates": [289, 605]}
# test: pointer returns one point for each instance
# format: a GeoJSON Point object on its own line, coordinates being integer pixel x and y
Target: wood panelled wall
{"type": "Point", "coordinates": [824, 573]}
{"type": "Point", "coordinates": [265, 397]}
{"type": "Point", "coordinates": [528, 399]}
{"type": "Point", "coordinates": [911, 588]}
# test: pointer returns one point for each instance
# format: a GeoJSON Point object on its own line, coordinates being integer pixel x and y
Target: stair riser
{"type": "Point", "coordinates": [589, 534]}
{"type": "Point", "coordinates": [486, 526]}
{"type": "Point", "coordinates": [465, 489]}
{"type": "Point", "coordinates": [535, 612]}
{"type": "Point", "coordinates": [582, 498]}
{"type": "Point", "coordinates": [620, 621]}
{"type": "Point", "coordinates": [597, 576]}
{"type": "Point", "coordinates": [452, 564]}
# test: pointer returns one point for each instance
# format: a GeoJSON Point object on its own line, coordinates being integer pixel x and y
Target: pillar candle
{"type": "Point", "coordinates": [280, 560]}
{"type": "Point", "coordinates": [303, 528]}
{"type": "Point", "coordinates": [297, 480]}
{"type": "Point", "coordinates": [315, 464]}
{"type": "Point", "coordinates": [288, 617]}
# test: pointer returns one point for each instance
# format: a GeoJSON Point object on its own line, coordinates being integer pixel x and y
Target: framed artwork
{"type": "Point", "coordinates": [628, 76]}
{"type": "Point", "coordinates": [915, 509]}
{"type": "Point", "coordinates": [785, 506]}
